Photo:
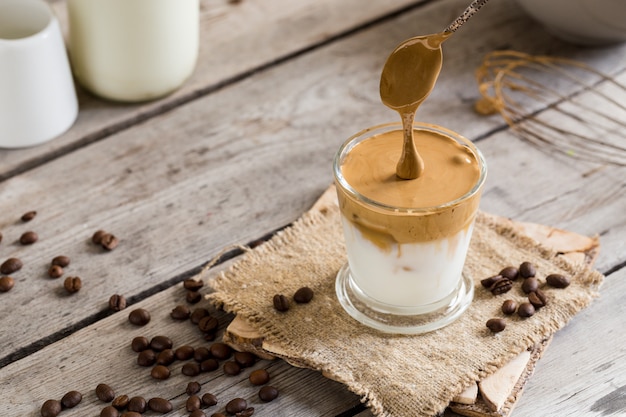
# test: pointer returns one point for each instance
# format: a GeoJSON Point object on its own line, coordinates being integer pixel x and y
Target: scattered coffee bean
{"type": "Point", "coordinates": [208, 324]}
{"type": "Point", "coordinates": [197, 314]}
{"type": "Point", "coordinates": [527, 270]}
{"type": "Point", "coordinates": [259, 377]}
{"type": "Point", "coordinates": [166, 357]}
{"type": "Point", "coordinates": [303, 295]}
{"type": "Point", "coordinates": [245, 359]}
{"type": "Point", "coordinates": [159, 343]}
{"type": "Point", "coordinates": [0, 237]}
{"type": "Point", "coordinates": [10, 266]}
{"type": "Point", "coordinates": [231, 368]}
{"type": "Point", "coordinates": [6, 283]}
{"type": "Point", "coordinates": [191, 369]}
{"type": "Point", "coordinates": [97, 236]}
{"type": "Point", "coordinates": [139, 317]}
{"type": "Point", "coordinates": [28, 238]}
{"type": "Point", "coordinates": [117, 302]}
{"type": "Point", "coordinates": [193, 403]}
{"type": "Point", "coordinates": [197, 413]}
{"type": "Point", "coordinates": [180, 312]}
{"type": "Point", "coordinates": [109, 242]}
{"type": "Point", "coordinates": [220, 350]}
{"type": "Point", "coordinates": [28, 216]}
{"type": "Point", "coordinates": [105, 393]}
{"type": "Point", "coordinates": [281, 303]}
{"type": "Point", "coordinates": [131, 414]}
{"type": "Point", "coordinates": [554, 280]}
{"type": "Point", "coordinates": [248, 412]}
{"type": "Point", "coordinates": [496, 325]}
{"type": "Point", "coordinates": [209, 365]}
{"type": "Point", "coordinates": [209, 399]}
{"type": "Point", "coordinates": [55, 271]}
{"type": "Point", "coordinates": [201, 354]}
{"type": "Point", "coordinates": [236, 405]}
{"type": "Point", "coordinates": [146, 357]}
{"type": "Point", "coordinates": [525, 309]}
{"type": "Point", "coordinates": [537, 299]}
{"type": "Point", "coordinates": [51, 408]}
{"type": "Point", "coordinates": [268, 393]}
{"type": "Point", "coordinates": [509, 307]}
{"type": "Point", "coordinates": [121, 401]}
{"type": "Point", "coordinates": [137, 405]}
{"type": "Point", "coordinates": [218, 415]}
{"type": "Point", "coordinates": [160, 372]}
{"type": "Point", "coordinates": [488, 282]}
{"type": "Point", "coordinates": [529, 285]}
{"type": "Point", "coordinates": [192, 284]}
{"type": "Point", "coordinates": [183, 353]}
{"type": "Point", "coordinates": [71, 399]}
{"type": "Point", "coordinates": [109, 411]}
{"type": "Point", "coordinates": [140, 343]}
{"type": "Point", "coordinates": [193, 297]}
{"type": "Point", "coordinates": [510, 272]}
{"type": "Point", "coordinates": [61, 260]}
{"type": "Point", "coordinates": [209, 337]}
{"type": "Point", "coordinates": [160, 405]}
{"type": "Point", "coordinates": [501, 286]}
{"type": "Point", "coordinates": [193, 387]}
{"type": "Point", "coordinates": [72, 284]}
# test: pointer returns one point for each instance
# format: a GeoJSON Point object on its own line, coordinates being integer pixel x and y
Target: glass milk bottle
{"type": "Point", "coordinates": [133, 50]}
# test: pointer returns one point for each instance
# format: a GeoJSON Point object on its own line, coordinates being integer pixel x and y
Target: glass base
{"type": "Point", "coordinates": [392, 319]}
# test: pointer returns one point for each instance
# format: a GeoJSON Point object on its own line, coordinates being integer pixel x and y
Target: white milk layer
{"type": "Point", "coordinates": [409, 275]}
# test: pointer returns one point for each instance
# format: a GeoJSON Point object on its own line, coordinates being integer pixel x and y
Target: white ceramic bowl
{"type": "Point", "coordinates": [581, 21]}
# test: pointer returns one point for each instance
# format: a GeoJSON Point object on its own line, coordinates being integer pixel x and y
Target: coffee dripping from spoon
{"type": "Point", "coordinates": [408, 77]}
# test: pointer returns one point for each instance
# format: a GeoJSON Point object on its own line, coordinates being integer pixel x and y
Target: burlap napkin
{"type": "Point", "coordinates": [395, 375]}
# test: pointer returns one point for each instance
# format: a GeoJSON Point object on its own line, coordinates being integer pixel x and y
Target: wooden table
{"type": "Point", "coordinates": [241, 151]}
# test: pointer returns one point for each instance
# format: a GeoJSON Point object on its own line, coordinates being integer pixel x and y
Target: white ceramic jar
{"type": "Point", "coordinates": [133, 50]}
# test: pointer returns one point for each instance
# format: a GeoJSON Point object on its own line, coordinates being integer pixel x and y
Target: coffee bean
{"type": "Point", "coordinates": [55, 271]}
{"type": "Point", "coordinates": [191, 369]}
{"type": "Point", "coordinates": [496, 325]}
{"type": "Point", "coordinates": [218, 415]}
{"type": "Point", "coordinates": [71, 399]}
{"type": "Point", "coordinates": [209, 337]}
{"type": "Point", "coordinates": [281, 303]}
{"type": "Point", "coordinates": [97, 236]}
{"type": "Point", "coordinates": [137, 405]}
{"type": "Point", "coordinates": [510, 272]}
{"type": "Point", "coordinates": [105, 393]}
{"type": "Point", "coordinates": [121, 402]}
{"type": "Point", "coordinates": [501, 286]}
{"type": "Point", "coordinates": [527, 270]}
{"type": "Point", "coordinates": [209, 365]}
{"type": "Point", "coordinates": [193, 387]}
{"type": "Point", "coordinates": [160, 372]}
{"type": "Point", "coordinates": [554, 280]}
{"type": "Point", "coordinates": [245, 359]}
{"type": "Point", "coordinates": [509, 307]}
{"type": "Point", "coordinates": [72, 284]}
{"type": "Point", "coordinates": [28, 216]}
{"type": "Point", "coordinates": [197, 314]}
{"type": "Point", "coordinates": [6, 283]}
{"type": "Point", "coordinates": [160, 405]}
{"type": "Point", "coordinates": [117, 302]}
{"type": "Point", "coordinates": [220, 350]}
{"type": "Point", "coordinates": [197, 413]}
{"type": "Point", "coordinates": [159, 343]}
{"type": "Point", "coordinates": [51, 408]}
{"type": "Point", "coordinates": [146, 357]}
{"type": "Point", "coordinates": [201, 354]}
{"type": "Point", "coordinates": [10, 266]}
{"type": "Point", "coordinates": [109, 241]}
{"type": "Point", "coordinates": [231, 368]}
{"type": "Point", "coordinates": [529, 285]}
{"type": "Point", "coordinates": [180, 312]}
{"type": "Point", "coordinates": [537, 299]}
{"type": "Point", "coordinates": [28, 238]}
{"type": "Point", "coordinates": [303, 295]}
{"type": "Point", "coordinates": [183, 353]}
{"type": "Point", "coordinates": [525, 309]}
{"type": "Point", "coordinates": [109, 411]}
{"type": "Point", "coordinates": [192, 284]}
{"type": "Point", "coordinates": [488, 282]}
{"type": "Point", "coordinates": [61, 260]}
{"type": "Point", "coordinates": [236, 405]}
{"type": "Point", "coordinates": [209, 399]}
{"type": "Point", "coordinates": [0, 237]}
{"type": "Point", "coordinates": [208, 324]}
{"type": "Point", "coordinates": [193, 403]}
{"type": "Point", "coordinates": [166, 357]}
{"type": "Point", "coordinates": [259, 377]}
{"type": "Point", "coordinates": [139, 343]}
{"type": "Point", "coordinates": [139, 317]}
{"type": "Point", "coordinates": [131, 414]}
{"type": "Point", "coordinates": [193, 297]}
{"type": "Point", "coordinates": [268, 393]}
{"type": "Point", "coordinates": [245, 413]}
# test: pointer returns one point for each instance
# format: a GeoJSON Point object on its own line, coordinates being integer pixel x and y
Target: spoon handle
{"type": "Point", "coordinates": [465, 16]}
